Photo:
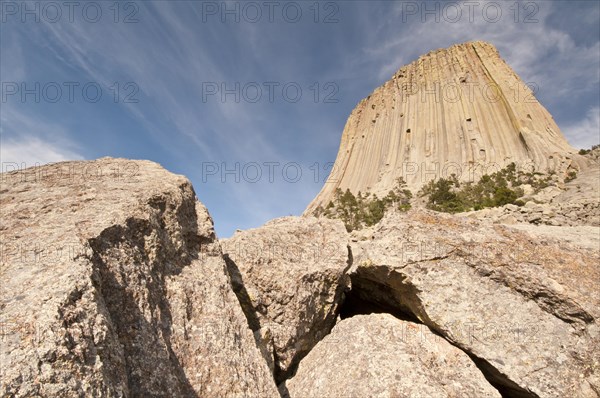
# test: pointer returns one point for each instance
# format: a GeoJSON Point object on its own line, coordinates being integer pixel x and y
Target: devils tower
{"type": "Point", "coordinates": [460, 110]}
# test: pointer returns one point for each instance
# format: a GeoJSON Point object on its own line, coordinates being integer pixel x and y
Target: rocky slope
{"type": "Point", "coordinates": [576, 203]}
{"type": "Point", "coordinates": [459, 110]}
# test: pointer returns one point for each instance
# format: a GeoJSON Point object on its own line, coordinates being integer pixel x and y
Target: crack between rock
{"type": "Point", "coordinates": [506, 387]}
{"type": "Point", "coordinates": [444, 257]}
{"type": "Point", "coordinates": [239, 289]}
{"type": "Point", "coordinates": [249, 311]}
{"type": "Point", "coordinates": [402, 310]}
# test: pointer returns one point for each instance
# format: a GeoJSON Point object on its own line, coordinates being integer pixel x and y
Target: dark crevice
{"type": "Point", "coordinates": [506, 387]}
{"type": "Point", "coordinates": [283, 390]}
{"type": "Point", "coordinates": [341, 297]}
{"type": "Point", "coordinates": [356, 304]}
{"type": "Point", "coordinates": [237, 284]}
{"type": "Point", "coordinates": [271, 357]}
{"type": "Point", "coordinates": [390, 290]}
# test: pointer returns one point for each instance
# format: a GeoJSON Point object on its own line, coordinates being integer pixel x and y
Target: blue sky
{"type": "Point", "coordinates": [249, 99]}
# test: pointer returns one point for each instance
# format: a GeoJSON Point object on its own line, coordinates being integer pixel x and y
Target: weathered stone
{"type": "Point", "coordinates": [113, 285]}
{"type": "Point", "coordinates": [525, 307]}
{"type": "Point", "coordinates": [290, 277]}
{"type": "Point", "coordinates": [531, 205]}
{"type": "Point", "coordinates": [507, 219]}
{"type": "Point", "coordinates": [378, 355]}
{"type": "Point", "coordinates": [527, 189]}
{"type": "Point", "coordinates": [587, 237]}
{"type": "Point", "coordinates": [511, 208]}
{"type": "Point", "coordinates": [586, 185]}
{"type": "Point", "coordinates": [547, 194]}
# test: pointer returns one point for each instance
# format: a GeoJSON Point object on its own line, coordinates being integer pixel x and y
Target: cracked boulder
{"type": "Point", "coordinates": [113, 285]}
{"type": "Point", "coordinates": [290, 277]}
{"type": "Point", "coordinates": [378, 355]}
{"type": "Point", "coordinates": [524, 307]}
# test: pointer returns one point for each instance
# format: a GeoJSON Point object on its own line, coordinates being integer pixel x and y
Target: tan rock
{"type": "Point", "coordinates": [547, 194]}
{"type": "Point", "coordinates": [113, 285]}
{"type": "Point", "coordinates": [507, 219]}
{"type": "Point", "coordinates": [378, 355]}
{"type": "Point", "coordinates": [527, 189]}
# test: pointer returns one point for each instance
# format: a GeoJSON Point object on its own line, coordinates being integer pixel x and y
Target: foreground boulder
{"type": "Point", "coordinates": [290, 278]}
{"type": "Point", "coordinates": [379, 355]}
{"type": "Point", "coordinates": [113, 285]}
{"type": "Point", "coordinates": [524, 308]}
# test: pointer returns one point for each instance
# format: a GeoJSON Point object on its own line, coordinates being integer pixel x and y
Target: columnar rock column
{"type": "Point", "coordinates": [460, 110]}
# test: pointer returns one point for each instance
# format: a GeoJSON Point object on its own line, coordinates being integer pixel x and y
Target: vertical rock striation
{"type": "Point", "coordinates": [459, 110]}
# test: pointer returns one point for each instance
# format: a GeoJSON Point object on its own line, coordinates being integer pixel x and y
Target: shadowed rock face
{"type": "Point", "coordinates": [459, 110]}
{"type": "Point", "coordinates": [379, 355]}
{"type": "Point", "coordinates": [113, 285]}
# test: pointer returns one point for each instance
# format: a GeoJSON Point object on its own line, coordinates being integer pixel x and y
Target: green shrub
{"type": "Point", "coordinates": [445, 195]}
{"type": "Point", "coordinates": [365, 209]}
{"type": "Point", "coordinates": [571, 175]}
{"type": "Point", "coordinates": [497, 189]}
{"type": "Point", "coordinates": [586, 151]}
{"type": "Point", "coordinates": [442, 196]}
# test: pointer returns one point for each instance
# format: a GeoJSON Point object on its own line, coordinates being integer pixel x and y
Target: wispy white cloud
{"type": "Point", "coordinates": [30, 139]}
{"type": "Point", "coordinates": [164, 57]}
{"type": "Point", "coordinates": [586, 132]}
{"type": "Point", "coordinates": [28, 151]}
